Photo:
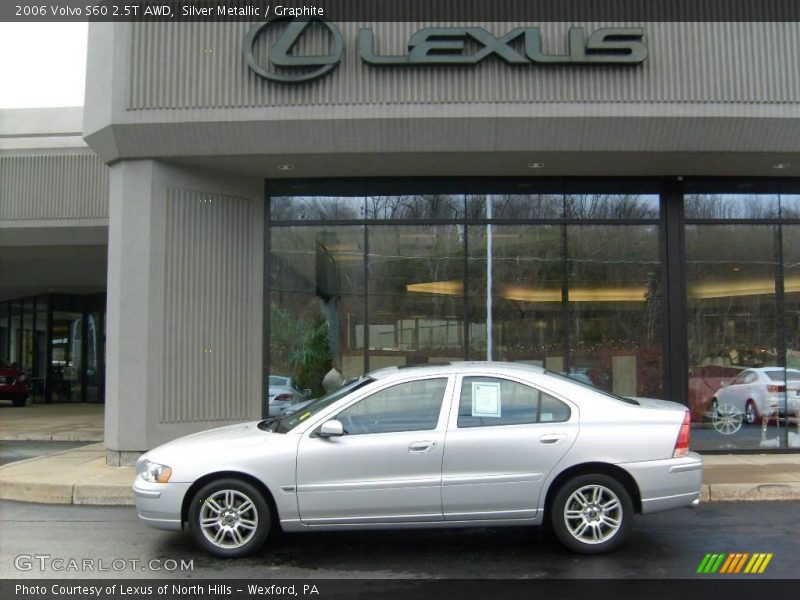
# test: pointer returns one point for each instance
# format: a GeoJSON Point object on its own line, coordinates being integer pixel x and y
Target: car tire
{"type": "Point", "coordinates": [229, 518]}
{"type": "Point", "coordinates": [751, 416]}
{"type": "Point", "coordinates": [591, 514]}
{"type": "Point", "coordinates": [20, 400]}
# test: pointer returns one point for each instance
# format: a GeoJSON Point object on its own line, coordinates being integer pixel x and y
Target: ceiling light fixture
{"type": "Point", "coordinates": [285, 167]}
{"type": "Point", "coordinates": [780, 166]}
{"type": "Point", "coordinates": [536, 165]}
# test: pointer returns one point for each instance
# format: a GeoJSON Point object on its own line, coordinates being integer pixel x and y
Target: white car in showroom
{"type": "Point", "coordinates": [759, 393]}
{"type": "Point", "coordinates": [463, 444]}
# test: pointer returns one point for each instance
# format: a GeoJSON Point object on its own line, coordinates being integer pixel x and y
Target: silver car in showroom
{"type": "Point", "coordinates": [463, 444]}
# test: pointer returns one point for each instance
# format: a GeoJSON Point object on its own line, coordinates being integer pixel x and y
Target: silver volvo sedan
{"type": "Point", "coordinates": [464, 444]}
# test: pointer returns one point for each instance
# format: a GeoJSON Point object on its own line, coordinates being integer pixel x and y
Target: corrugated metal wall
{"type": "Point", "coordinates": [200, 65]}
{"type": "Point", "coordinates": [207, 288]}
{"type": "Point", "coordinates": [53, 186]}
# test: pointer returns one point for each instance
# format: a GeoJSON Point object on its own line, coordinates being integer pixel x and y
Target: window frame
{"type": "Point", "coordinates": [333, 411]}
{"type": "Point", "coordinates": [456, 402]}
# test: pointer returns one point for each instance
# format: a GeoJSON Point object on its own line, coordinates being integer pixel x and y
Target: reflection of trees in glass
{"type": "Point", "coordinates": [731, 206]}
{"type": "Point", "coordinates": [428, 206]}
{"type": "Point", "coordinates": [517, 206]}
{"type": "Point", "coordinates": [300, 347]}
{"type": "Point", "coordinates": [416, 273]}
{"type": "Point", "coordinates": [612, 206]}
{"type": "Point", "coordinates": [731, 301]}
{"type": "Point", "coordinates": [316, 208]}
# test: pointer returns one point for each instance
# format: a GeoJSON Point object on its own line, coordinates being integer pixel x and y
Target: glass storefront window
{"type": "Point", "coordinates": [732, 307]}
{"type": "Point", "coordinates": [731, 206]}
{"type": "Point", "coordinates": [316, 304]}
{"type": "Point", "coordinates": [612, 206]}
{"type": "Point", "coordinates": [415, 294]}
{"type": "Point", "coordinates": [515, 206]}
{"type": "Point", "coordinates": [67, 364]}
{"type": "Point", "coordinates": [616, 305]}
{"type": "Point", "coordinates": [415, 206]}
{"type": "Point", "coordinates": [316, 208]}
{"type": "Point", "coordinates": [527, 302]}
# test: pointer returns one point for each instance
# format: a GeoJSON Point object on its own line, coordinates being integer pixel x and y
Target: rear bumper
{"type": "Point", "coordinates": [667, 484]}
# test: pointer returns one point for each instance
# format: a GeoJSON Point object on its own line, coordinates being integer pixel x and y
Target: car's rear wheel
{"type": "Point", "coordinates": [591, 514]}
{"type": "Point", "coordinates": [229, 518]}
{"type": "Point", "coordinates": [20, 400]}
{"type": "Point", "coordinates": [751, 413]}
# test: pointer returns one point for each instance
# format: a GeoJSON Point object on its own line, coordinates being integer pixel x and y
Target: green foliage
{"type": "Point", "coordinates": [300, 347]}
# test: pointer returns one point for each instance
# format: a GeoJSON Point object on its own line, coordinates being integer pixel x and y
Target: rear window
{"type": "Point", "coordinates": [778, 375]}
{"type": "Point", "coordinates": [593, 388]}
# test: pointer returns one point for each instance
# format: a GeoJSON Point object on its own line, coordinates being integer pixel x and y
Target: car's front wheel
{"type": "Point", "coordinates": [229, 518]}
{"type": "Point", "coordinates": [591, 514]}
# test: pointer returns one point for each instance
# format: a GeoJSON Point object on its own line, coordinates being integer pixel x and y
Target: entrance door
{"type": "Point", "coordinates": [387, 466]}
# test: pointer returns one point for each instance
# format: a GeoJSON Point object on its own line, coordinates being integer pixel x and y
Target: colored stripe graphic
{"type": "Point", "coordinates": [733, 563]}
{"type": "Point", "coordinates": [711, 563]}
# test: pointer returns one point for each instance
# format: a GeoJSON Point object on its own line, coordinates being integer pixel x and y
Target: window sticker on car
{"type": "Point", "coordinates": [485, 399]}
{"type": "Point", "coordinates": [545, 417]}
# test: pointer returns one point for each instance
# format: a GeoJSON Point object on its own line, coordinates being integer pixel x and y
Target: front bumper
{"type": "Point", "coordinates": [159, 504]}
{"type": "Point", "coordinates": [669, 483]}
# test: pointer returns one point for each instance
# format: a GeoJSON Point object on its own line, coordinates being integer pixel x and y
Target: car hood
{"type": "Point", "coordinates": [241, 435]}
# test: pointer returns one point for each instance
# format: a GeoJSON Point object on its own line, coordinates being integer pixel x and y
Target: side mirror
{"type": "Point", "coordinates": [332, 428]}
{"type": "Point", "coordinates": [307, 393]}
{"type": "Point", "coordinates": [724, 383]}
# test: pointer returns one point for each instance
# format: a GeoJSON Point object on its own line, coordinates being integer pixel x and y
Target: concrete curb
{"type": "Point", "coordinates": [51, 479]}
{"type": "Point", "coordinates": [748, 492]}
{"type": "Point", "coordinates": [54, 437]}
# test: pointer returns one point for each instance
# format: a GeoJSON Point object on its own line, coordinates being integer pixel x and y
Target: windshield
{"type": "Point", "coordinates": [289, 422]}
{"type": "Point", "coordinates": [4, 363]}
{"type": "Point", "coordinates": [591, 387]}
{"type": "Point", "coordinates": [275, 380]}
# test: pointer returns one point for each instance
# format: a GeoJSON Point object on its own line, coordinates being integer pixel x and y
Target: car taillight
{"type": "Point", "coordinates": [283, 398]}
{"type": "Point", "coordinates": [776, 389]}
{"type": "Point", "coordinates": [682, 443]}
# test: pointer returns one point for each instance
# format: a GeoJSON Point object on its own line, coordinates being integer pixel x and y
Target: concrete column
{"type": "Point", "coordinates": [185, 273]}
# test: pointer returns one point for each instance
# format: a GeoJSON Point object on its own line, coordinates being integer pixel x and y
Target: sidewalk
{"type": "Point", "coordinates": [52, 422]}
{"type": "Point", "coordinates": [81, 476]}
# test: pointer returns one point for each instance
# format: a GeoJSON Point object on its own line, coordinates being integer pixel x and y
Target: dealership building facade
{"type": "Point", "coordinates": [628, 214]}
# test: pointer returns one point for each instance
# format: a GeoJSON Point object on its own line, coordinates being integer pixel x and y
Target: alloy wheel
{"type": "Point", "coordinates": [727, 419]}
{"type": "Point", "coordinates": [593, 514]}
{"type": "Point", "coordinates": [228, 518]}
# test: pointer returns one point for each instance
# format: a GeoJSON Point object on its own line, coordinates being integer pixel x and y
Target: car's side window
{"type": "Point", "coordinates": [410, 406]}
{"type": "Point", "coordinates": [490, 401]}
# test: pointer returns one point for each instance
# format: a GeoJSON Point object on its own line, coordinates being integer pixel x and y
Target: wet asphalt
{"type": "Point", "coordinates": [662, 546]}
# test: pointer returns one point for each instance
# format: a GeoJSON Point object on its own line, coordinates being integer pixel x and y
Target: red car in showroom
{"type": "Point", "coordinates": [14, 384]}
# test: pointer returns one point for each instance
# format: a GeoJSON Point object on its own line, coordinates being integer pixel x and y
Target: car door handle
{"type": "Point", "coordinates": [550, 439]}
{"type": "Point", "coordinates": [420, 447]}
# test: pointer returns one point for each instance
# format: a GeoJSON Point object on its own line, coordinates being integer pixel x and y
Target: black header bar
{"type": "Point", "coordinates": [445, 11]}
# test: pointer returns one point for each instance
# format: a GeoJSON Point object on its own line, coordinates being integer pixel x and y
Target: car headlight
{"type": "Point", "coordinates": [154, 472]}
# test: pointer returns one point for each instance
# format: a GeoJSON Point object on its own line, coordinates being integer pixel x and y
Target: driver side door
{"type": "Point", "coordinates": [387, 467]}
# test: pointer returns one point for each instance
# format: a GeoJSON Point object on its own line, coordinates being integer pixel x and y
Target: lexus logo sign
{"type": "Point", "coordinates": [443, 46]}
{"type": "Point", "coordinates": [302, 68]}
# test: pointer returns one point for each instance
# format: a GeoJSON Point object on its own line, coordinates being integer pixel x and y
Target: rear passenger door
{"type": "Point", "coordinates": [501, 444]}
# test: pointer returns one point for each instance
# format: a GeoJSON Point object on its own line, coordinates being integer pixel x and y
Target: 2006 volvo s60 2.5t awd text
{"type": "Point", "coordinates": [464, 444]}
